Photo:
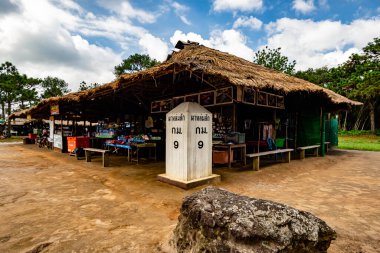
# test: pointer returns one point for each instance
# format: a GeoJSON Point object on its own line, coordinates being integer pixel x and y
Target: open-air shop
{"type": "Point", "coordinates": [253, 107]}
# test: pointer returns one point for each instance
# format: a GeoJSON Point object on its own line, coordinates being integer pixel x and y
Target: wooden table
{"type": "Point", "coordinates": [105, 155]}
{"type": "Point", "coordinates": [142, 146]}
{"type": "Point", "coordinates": [229, 147]}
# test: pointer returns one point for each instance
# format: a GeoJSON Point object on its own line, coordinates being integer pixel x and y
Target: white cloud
{"type": "Point", "coordinates": [230, 41]}
{"type": "Point", "coordinates": [303, 6]}
{"type": "Point", "coordinates": [324, 4]}
{"type": "Point", "coordinates": [179, 35]}
{"type": "Point", "coordinates": [44, 37]}
{"type": "Point", "coordinates": [126, 11]}
{"type": "Point", "coordinates": [325, 43]}
{"type": "Point", "coordinates": [154, 47]}
{"type": "Point", "coordinates": [237, 5]}
{"type": "Point", "coordinates": [250, 22]}
{"type": "Point", "coordinates": [69, 4]}
{"type": "Point", "coordinates": [180, 10]}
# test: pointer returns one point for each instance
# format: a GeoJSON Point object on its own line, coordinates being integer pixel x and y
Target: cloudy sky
{"type": "Point", "coordinates": [82, 40]}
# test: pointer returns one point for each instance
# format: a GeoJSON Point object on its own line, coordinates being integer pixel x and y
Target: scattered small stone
{"type": "Point", "coordinates": [39, 248]}
{"type": "Point", "coordinates": [5, 238]}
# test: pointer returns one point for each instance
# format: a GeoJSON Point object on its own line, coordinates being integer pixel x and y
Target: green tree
{"type": "Point", "coordinates": [14, 88]}
{"type": "Point", "coordinates": [53, 87]}
{"type": "Point", "coordinates": [273, 59]}
{"type": "Point", "coordinates": [134, 63]}
{"type": "Point", "coordinates": [363, 82]}
{"type": "Point", "coordinates": [28, 94]}
{"type": "Point", "coordinates": [357, 78]}
{"type": "Point", "coordinates": [84, 86]}
{"type": "Point", "coordinates": [9, 80]}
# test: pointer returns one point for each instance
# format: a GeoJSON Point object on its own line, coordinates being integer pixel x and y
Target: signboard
{"type": "Point", "coordinates": [29, 117]}
{"type": "Point", "coordinates": [260, 98]}
{"type": "Point", "coordinates": [177, 101]}
{"type": "Point", "coordinates": [249, 95]}
{"type": "Point", "coordinates": [54, 109]}
{"type": "Point", "coordinates": [51, 130]}
{"type": "Point", "coordinates": [192, 98]}
{"type": "Point", "coordinates": [207, 98]}
{"type": "Point", "coordinates": [165, 105]}
{"type": "Point", "coordinates": [57, 140]}
{"type": "Point", "coordinates": [224, 96]}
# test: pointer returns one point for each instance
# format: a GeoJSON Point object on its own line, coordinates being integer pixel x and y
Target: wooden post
{"type": "Point", "coordinates": [302, 154]}
{"type": "Point", "coordinates": [288, 157]}
{"type": "Point", "coordinates": [295, 131]}
{"type": "Point", "coordinates": [106, 159]}
{"type": "Point", "coordinates": [258, 141]}
{"type": "Point", "coordinates": [286, 135]}
{"type": "Point", "coordinates": [323, 133]}
{"type": "Point", "coordinates": [274, 125]}
{"type": "Point", "coordinates": [234, 117]}
{"type": "Point", "coordinates": [88, 156]}
{"type": "Point", "coordinates": [256, 163]}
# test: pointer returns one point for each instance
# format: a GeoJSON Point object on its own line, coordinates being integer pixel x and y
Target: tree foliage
{"type": "Point", "coordinates": [273, 59]}
{"type": "Point", "coordinates": [358, 78]}
{"type": "Point", "coordinates": [84, 86]}
{"type": "Point", "coordinates": [134, 63]}
{"type": "Point", "coordinates": [53, 87]}
{"type": "Point", "coordinates": [15, 88]}
{"type": "Point", "coordinates": [363, 82]}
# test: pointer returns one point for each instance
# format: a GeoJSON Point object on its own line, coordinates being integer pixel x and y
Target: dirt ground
{"type": "Point", "coordinates": [51, 202]}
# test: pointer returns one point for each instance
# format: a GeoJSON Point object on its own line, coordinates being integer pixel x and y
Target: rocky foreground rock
{"type": "Point", "coordinates": [215, 220]}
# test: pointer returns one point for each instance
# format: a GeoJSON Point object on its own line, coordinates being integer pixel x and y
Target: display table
{"type": "Point", "coordinates": [105, 155]}
{"type": "Point", "coordinates": [229, 148]}
{"type": "Point", "coordinates": [138, 146]}
{"type": "Point", "coordinates": [116, 147]}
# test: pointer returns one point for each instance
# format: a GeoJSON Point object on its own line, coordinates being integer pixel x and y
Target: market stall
{"type": "Point", "coordinates": [259, 105]}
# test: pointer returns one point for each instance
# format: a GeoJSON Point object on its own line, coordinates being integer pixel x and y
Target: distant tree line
{"type": "Point", "coordinates": [358, 78]}
{"type": "Point", "coordinates": [18, 90]}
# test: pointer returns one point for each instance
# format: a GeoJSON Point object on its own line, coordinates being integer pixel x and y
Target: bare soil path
{"type": "Point", "coordinates": [50, 202]}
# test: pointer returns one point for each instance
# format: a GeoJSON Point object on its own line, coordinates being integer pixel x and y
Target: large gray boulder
{"type": "Point", "coordinates": [215, 220]}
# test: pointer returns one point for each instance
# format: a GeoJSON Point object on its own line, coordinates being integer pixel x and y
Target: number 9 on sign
{"type": "Point", "coordinates": [200, 144]}
{"type": "Point", "coordinates": [176, 144]}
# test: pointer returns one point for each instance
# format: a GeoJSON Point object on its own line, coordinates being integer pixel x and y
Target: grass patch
{"type": "Point", "coordinates": [369, 142]}
{"type": "Point", "coordinates": [12, 139]}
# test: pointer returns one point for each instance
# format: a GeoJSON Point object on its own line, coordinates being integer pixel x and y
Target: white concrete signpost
{"type": "Point", "coordinates": [188, 146]}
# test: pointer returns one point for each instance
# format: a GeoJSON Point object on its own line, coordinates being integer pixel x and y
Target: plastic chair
{"type": "Point", "coordinates": [280, 143]}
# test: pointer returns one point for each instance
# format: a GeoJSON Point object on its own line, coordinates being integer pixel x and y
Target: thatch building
{"type": "Point", "coordinates": [240, 93]}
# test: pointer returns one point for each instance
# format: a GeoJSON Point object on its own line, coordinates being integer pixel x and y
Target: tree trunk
{"type": "Point", "coordinates": [345, 121]}
{"type": "Point", "coordinates": [364, 123]}
{"type": "Point", "coordinates": [9, 120]}
{"type": "Point", "coordinates": [3, 110]}
{"type": "Point", "coordinates": [372, 116]}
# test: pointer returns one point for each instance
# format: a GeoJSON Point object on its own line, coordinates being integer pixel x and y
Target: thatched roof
{"type": "Point", "coordinates": [204, 61]}
{"type": "Point", "coordinates": [240, 72]}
